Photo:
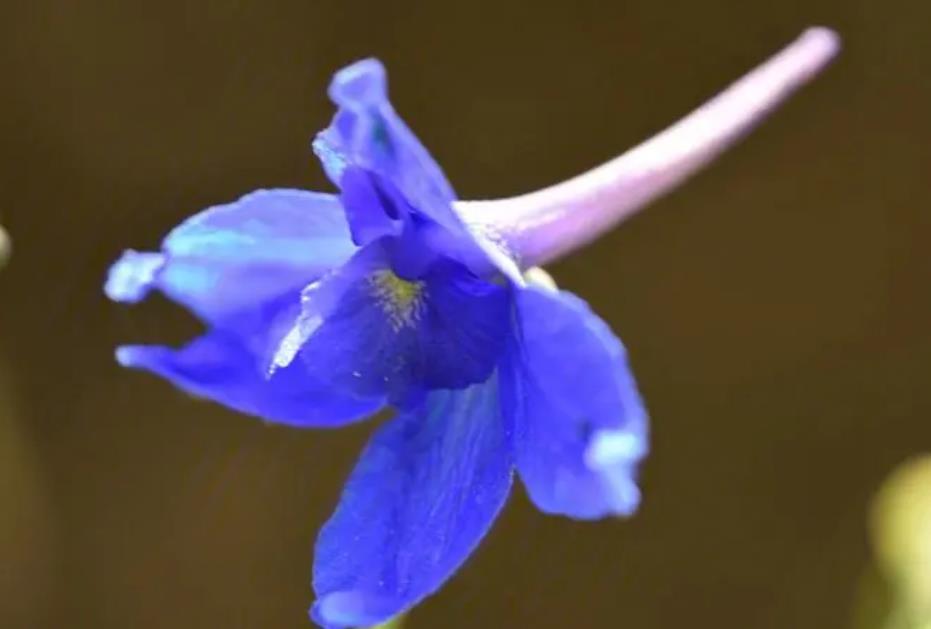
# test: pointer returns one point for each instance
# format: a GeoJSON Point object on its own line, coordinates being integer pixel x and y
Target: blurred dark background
{"type": "Point", "coordinates": [776, 307]}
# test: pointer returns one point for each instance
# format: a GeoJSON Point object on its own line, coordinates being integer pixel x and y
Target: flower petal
{"type": "Point", "coordinates": [403, 181]}
{"type": "Point", "coordinates": [232, 257]}
{"type": "Point", "coordinates": [580, 428]}
{"type": "Point", "coordinates": [424, 493]}
{"type": "Point", "coordinates": [368, 133]}
{"type": "Point", "coordinates": [365, 330]}
{"type": "Point", "coordinates": [373, 208]}
{"type": "Point", "coordinates": [231, 368]}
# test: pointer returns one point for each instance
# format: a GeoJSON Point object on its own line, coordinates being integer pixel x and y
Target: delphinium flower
{"type": "Point", "coordinates": [322, 309]}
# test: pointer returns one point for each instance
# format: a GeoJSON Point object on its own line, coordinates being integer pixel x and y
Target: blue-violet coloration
{"type": "Point", "coordinates": [321, 309]}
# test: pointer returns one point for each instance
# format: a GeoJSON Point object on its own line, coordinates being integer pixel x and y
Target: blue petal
{"type": "Point", "coordinates": [368, 133]}
{"type": "Point", "coordinates": [375, 209]}
{"type": "Point", "coordinates": [367, 331]}
{"type": "Point", "coordinates": [425, 492]}
{"type": "Point", "coordinates": [388, 178]}
{"type": "Point", "coordinates": [580, 428]}
{"type": "Point", "coordinates": [230, 366]}
{"type": "Point", "coordinates": [371, 209]}
{"type": "Point", "coordinates": [232, 257]}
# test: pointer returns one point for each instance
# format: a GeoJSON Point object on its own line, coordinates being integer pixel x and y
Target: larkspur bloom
{"type": "Point", "coordinates": [322, 308]}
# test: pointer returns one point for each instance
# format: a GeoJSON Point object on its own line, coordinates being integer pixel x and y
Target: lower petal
{"type": "Point", "coordinates": [219, 367]}
{"type": "Point", "coordinates": [580, 428]}
{"type": "Point", "coordinates": [424, 493]}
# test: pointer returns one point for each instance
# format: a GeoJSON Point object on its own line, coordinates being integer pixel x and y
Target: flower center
{"type": "Point", "coordinates": [400, 299]}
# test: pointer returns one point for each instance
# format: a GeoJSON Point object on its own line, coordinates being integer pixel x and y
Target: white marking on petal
{"type": "Point", "coordinates": [611, 447]}
{"type": "Point", "coordinates": [293, 341]}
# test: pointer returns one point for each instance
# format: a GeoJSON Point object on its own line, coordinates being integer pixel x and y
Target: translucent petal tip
{"type": "Point", "coordinates": [131, 278]}
{"type": "Point", "coordinates": [362, 83]}
{"type": "Point", "coordinates": [127, 355]}
{"type": "Point", "coordinates": [615, 454]}
{"type": "Point", "coordinates": [349, 608]}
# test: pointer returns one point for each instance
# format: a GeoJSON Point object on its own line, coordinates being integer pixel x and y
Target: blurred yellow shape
{"type": "Point", "coordinates": [901, 532]}
{"type": "Point", "coordinates": [4, 246]}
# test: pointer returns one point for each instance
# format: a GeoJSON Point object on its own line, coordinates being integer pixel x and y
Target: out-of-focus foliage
{"type": "Point", "coordinates": [896, 594]}
{"type": "Point", "coordinates": [25, 533]}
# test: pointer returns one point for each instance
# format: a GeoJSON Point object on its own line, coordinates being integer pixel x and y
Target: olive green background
{"type": "Point", "coordinates": [776, 308]}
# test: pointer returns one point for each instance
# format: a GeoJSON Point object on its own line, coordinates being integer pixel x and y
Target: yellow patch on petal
{"type": "Point", "coordinates": [400, 299]}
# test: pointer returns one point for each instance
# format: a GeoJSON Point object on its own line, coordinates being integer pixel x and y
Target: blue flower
{"type": "Point", "coordinates": [321, 309]}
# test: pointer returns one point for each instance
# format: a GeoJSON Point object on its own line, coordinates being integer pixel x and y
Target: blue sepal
{"type": "Point", "coordinates": [580, 427]}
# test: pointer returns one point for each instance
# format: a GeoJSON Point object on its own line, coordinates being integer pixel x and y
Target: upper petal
{"type": "Point", "coordinates": [234, 256]}
{"type": "Point", "coordinates": [388, 178]}
{"type": "Point", "coordinates": [367, 132]}
{"type": "Point", "coordinates": [422, 496]}
{"type": "Point", "coordinates": [230, 366]}
{"type": "Point", "coordinates": [580, 428]}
